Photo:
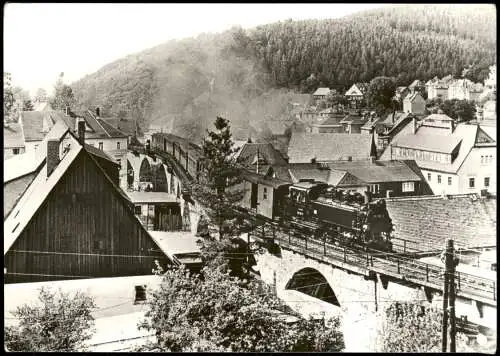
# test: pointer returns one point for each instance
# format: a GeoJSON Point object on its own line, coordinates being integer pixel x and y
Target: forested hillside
{"type": "Point", "coordinates": [248, 75]}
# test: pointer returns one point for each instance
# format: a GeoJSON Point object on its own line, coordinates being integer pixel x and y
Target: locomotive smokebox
{"type": "Point", "coordinates": [367, 197]}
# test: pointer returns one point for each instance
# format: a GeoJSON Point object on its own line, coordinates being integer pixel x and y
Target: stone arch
{"type": "Point", "coordinates": [145, 171]}
{"type": "Point", "coordinates": [160, 178]}
{"type": "Point", "coordinates": [313, 283]}
{"type": "Point", "coordinates": [130, 174]}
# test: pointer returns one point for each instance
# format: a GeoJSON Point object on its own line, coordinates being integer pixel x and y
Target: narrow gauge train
{"type": "Point", "coordinates": [341, 217]}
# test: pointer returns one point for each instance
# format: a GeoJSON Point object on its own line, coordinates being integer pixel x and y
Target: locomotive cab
{"type": "Point", "coordinates": [300, 196]}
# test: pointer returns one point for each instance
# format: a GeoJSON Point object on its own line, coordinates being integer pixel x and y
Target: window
{"type": "Point", "coordinates": [439, 178]}
{"type": "Point", "coordinates": [429, 177]}
{"type": "Point", "coordinates": [408, 187]}
{"type": "Point", "coordinates": [137, 210]}
{"type": "Point", "coordinates": [100, 146]}
{"type": "Point", "coordinates": [374, 188]}
{"type": "Point", "coordinates": [36, 147]}
{"type": "Point", "coordinates": [449, 180]}
{"type": "Point", "coordinates": [482, 159]}
{"type": "Point", "coordinates": [118, 145]}
{"type": "Point", "coordinates": [15, 151]}
{"type": "Point", "coordinates": [472, 183]}
{"type": "Point", "coordinates": [265, 193]}
{"type": "Point", "coordinates": [486, 182]}
{"type": "Point", "coordinates": [99, 244]}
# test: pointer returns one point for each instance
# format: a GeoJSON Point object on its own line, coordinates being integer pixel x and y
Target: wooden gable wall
{"type": "Point", "coordinates": [83, 229]}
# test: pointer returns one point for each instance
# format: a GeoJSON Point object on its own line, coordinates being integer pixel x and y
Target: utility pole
{"type": "Point", "coordinates": [450, 262]}
{"type": "Point", "coordinates": [453, 330]}
{"type": "Point", "coordinates": [445, 295]}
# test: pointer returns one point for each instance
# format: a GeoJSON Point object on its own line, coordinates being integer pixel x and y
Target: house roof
{"type": "Point", "coordinates": [434, 143]}
{"type": "Point", "coordinates": [415, 83]}
{"type": "Point", "coordinates": [247, 155]}
{"type": "Point", "coordinates": [264, 180]}
{"type": "Point", "coordinates": [353, 119]}
{"type": "Point", "coordinates": [438, 117]}
{"type": "Point", "coordinates": [362, 86]}
{"type": "Point", "coordinates": [32, 125]}
{"type": "Point", "coordinates": [438, 139]}
{"type": "Point", "coordinates": [96, 127]}
{"type": "Point", "coordinates": [151, 197]}
{"type": "Point", "coordinates": [300, 171]}
{"type": "Point", "coordinates": [377, 172]}
{"type": "Point", "coordinates": [330, 121]}
{"type": "Point", "coordinates": [322, 91]}
{"type": "Point", "coordinates": [430, 220]}
{"type": "Point", "coordinates": [12, 135]}
{"type": "Point", "coordinates": [128, 127]}
{"type": "Point", "coordinates": [176, 243]}
{"type": "Point", "coordinates": [412, 96]}
{"type": "Point", "coordinates": [40, 188]}
{"type": "Point", "coordinates": [304, 147]}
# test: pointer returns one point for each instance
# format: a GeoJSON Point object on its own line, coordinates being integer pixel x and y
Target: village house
{"type": "Point", "coordinates": [464, 89]}
{"type": "Point", "coordinates": [455, 159]}
{"type": "Point", "coordinates": [416, 86]}
{"type": "Point", "coordinates": [13, 143]}
{"type": "Point", "coordinates": [320, 94]}
{"type": "Point", "coordinates": [258, 157]}
{"type": "Point", "coordinates": [380, 178]}
{"type": "Point", "coordinates": [413, 103]}
{"type": "Point", "coordinates": [438, 88]}
{"type": "Point", "coordinates": [328, 147]}
{"type": "Point", "coordinates": [352, 123]}
{"type": "Point", "coordinates": [356, 94]}
{"type": "Point", "coordinates": [128, 127]}
{"type": "Point", "coordinates": [329, 125]}
{"type": "Point", "coordinates": [73, 221]}
{"type": "Point", "coordinates": [491, 81]}
{"type": "Point", "coordinates": [400, 93]}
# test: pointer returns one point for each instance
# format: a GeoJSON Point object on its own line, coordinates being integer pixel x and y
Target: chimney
{"type": "Point", "coordinates": [81, 132]}
{"type": "Point", "coordinates": [414, 125]}
{"type": "Point", "coordinates": [67, 111]}
{"type": "Point", "coordinates": [52, 155]}
{"type": "Point", "coordinates": [452, 126]}
{"type": "Point", "coordinates": [97, 112]}
{"type": "Point", "coordinates": [367, 197]}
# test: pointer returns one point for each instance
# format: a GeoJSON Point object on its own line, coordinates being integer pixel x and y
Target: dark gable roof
{"type": "Point", "coordinates": [111, 131]}
{"type": "Point", "coordinates": [267, 153]}
{"type": "Point", "coordinates": [429, 221]}
{"type": "Point", "coordinates": [128, 127]}
{"type": "Point", "coordinates": [12, 135]}
{"type": "Point", "coordinates": [264, 180]}
{"type": "Point", "coordinates": [304, 147]}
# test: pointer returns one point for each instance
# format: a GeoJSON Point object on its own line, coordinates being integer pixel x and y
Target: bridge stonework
{"type": "Point", "coordinates": [362, 297]}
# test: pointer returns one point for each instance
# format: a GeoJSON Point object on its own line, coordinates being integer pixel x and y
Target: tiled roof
{"type": "Point", "coordinates": [434, 143]}
{"type": "Point", "coordinates": [299, 171]}
{"type": "Point", "coordinates": [128, 127]}
{"type": "Point", "coordinates": [260, 179]}
{"type": "Point", "coordinates": [151, 197]}
{"type": "Point", "coordinates": [12, 136]}
{"type": "Point", "coordinates": [377, 172]}
{"type": "Point", "coordinates": [13, 190]}
{"type": "Point", "coordinates": [362, 86]}
{"type": "Point", "coordinates": [304, 147]}
{"type": "Point", "coordinates": [32, 123]}
{"type": "Point", "coordinates": [267, 153]}
{"type": "Point", "coordinates": [322, 91]}
{"type": "Point", "coordinates": [438, 136]}
{"type": "Point", "coordinates": [110, 130]}
{"type": "Point", "coordinates": [469, 220]}
{"type": "Point", "coordinates": [415, 83]}
{"type": "Point", "coordinates": [412, 96]}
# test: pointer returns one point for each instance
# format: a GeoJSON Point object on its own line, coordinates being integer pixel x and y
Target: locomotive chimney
{"type": "Point", "coordinates": [367, 197]}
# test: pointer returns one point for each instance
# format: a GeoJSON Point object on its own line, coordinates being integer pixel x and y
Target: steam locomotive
{"type": "Point", "coordinates": [337, 215]}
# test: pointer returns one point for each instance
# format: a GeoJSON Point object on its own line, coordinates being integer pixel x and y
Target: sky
{"type": "Point", "coordinates": [43, 40]}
